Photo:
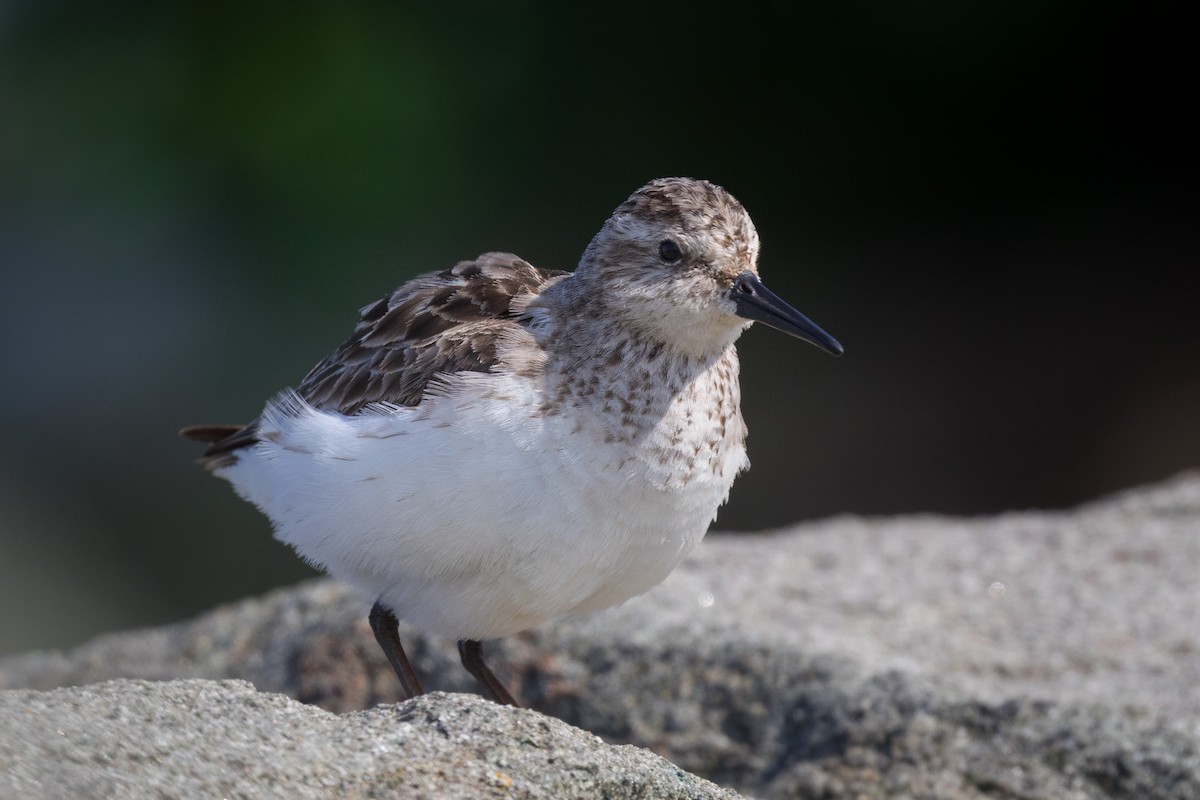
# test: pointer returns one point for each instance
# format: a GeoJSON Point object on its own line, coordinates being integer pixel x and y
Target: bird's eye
{"type": "Point", "coordinates": [669, 251]}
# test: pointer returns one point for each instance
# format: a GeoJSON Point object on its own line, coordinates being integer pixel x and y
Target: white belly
{"type": "Point", "coordinates": [470, 518]}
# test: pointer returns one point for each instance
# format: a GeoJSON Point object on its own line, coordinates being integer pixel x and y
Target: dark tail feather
{"type": "Point", "coordinates": [223, 441]}
{"type": "Point", "coordinates": [209, 433]}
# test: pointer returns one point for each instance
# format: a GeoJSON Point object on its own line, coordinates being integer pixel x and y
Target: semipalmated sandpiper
{"type": "Point", "coordinates": [499, 445]}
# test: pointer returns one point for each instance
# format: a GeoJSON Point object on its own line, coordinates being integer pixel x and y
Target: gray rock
{"type": "Point", "coordinates": [1032, 655]}
{"type": "Point", "coordinates": [135, 739]}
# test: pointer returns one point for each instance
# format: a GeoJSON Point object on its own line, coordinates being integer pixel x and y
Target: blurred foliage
{"type": "Point", "coordinates": [986, 202]}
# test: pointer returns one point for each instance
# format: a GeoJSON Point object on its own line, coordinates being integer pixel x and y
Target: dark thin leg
{"type": "Point", "coordinates": [387, 633]}
{"type": "Point", "coordinates": [471, 653]}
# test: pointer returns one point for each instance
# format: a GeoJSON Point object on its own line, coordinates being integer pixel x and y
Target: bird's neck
{"type": "Point", "coordinates": [585, 312]}
{"type": "Point", "coordinates": [637, 384]}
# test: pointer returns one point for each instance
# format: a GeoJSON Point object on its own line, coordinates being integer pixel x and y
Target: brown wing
{"type": "Point", "coordinates": [438, 323]}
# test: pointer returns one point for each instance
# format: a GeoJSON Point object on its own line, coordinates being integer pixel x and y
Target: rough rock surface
{"type": "Point", "coordinates": [133, 739]}
{"type": "Point", "coordinates": [1028, 655]}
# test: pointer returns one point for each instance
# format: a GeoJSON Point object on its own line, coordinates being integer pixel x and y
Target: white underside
{"type": "Point", "coordinates": [470, 515]}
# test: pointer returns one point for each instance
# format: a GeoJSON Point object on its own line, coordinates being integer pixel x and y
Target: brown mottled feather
{"type": "Point", "coordinates": [438, 323]}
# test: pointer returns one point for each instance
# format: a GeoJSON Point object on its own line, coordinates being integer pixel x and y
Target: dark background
{"type": "Point", "coordinates": [991, 204]}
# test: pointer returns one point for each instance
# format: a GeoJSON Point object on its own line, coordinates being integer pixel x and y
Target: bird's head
{"type": "Point", "coordinates": [678, 261]}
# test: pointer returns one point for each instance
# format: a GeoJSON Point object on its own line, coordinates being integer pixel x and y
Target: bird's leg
{"type": "Point", "coordinates": [471, 653]}
{"type": "Point", "coordinates": [387, 633]}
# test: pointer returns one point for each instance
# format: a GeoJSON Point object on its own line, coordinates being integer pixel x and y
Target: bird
{"type": "Point", "coordinates": [497, 445]}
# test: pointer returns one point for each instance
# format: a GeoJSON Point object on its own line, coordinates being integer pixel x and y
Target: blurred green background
{"type": "Point", "coordinates": [989, 203]}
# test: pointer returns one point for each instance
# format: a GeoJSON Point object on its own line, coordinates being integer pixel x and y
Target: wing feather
{"type": "Point", "coordinates": [438, 323]}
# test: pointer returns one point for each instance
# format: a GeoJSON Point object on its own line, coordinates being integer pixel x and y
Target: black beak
{"type": "Point", "coordinates": [757, 302]}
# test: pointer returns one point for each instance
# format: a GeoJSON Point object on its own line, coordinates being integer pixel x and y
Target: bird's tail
{"type": "Point", "coordinates": [209, 433]}
{"type": "Point", "coordinates": [224, 441]}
